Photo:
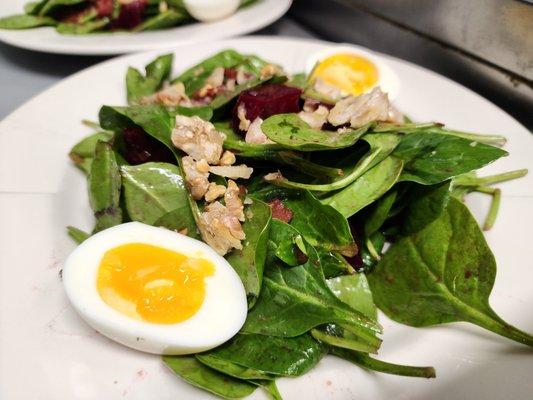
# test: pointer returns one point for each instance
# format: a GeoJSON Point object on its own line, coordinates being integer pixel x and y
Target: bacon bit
{"type": "Point", "coordinates": [280, 211]}
{"type": "Point", "coordinates": [230, 73]}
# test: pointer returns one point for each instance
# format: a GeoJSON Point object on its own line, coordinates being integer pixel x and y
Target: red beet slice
{"type": "Point", "coordinates": [104, 7]}
{"type": "Point", "coordinates": [139, 147]}
{"type": "Point", "coordinates": [267, 100]}
{"type": "Point", "coordinates": [131, 14]}
{"type": "Point", "coordinates": [280, 211]}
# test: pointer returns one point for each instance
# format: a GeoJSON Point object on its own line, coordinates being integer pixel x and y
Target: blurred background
{"type": "Point", "coordinates": [486, 45]}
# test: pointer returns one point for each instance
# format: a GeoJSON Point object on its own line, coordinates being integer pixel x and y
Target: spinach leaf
{"type": "Point", "coordinates": [154, 189]}
{"type": "Point", "coordinates": [51, 5]}
{"type": "Point", "coordinates": [283, 242]}
{"type": "Point", "coordinates": [271, 355]}
{"type": "Point", "coordinates": [82, 153]}
{"type": "Point", "coordinates": [298, 80]}
{"type": "Point", "coordinates": [365, 361]}
{"type": "Point", "coordinates": [194, 78]}
{"type": "Point", "coordinates": [180, 219]}
{"type": "Point", "coordinates": [443, 273]}
{"type": "Point", "coordinates": [354, 291]}
{"type": "Point", "coordinates": [431, 158]}
{"type": "Point", "coordinates": [82, 28]}
{"type": "Point", "coordinates": [77, 235]}
{"type": "Point", "coordinates": [334, 264]}
{"type": "Point", "coordinates": [154, 119]}
{"type": "Point", "coordinates": [295, 300]}
{"type": "Point", "coordinates": [157, 72]}
{"type": "Point", "coordinates": [367, 188]}
{"type": "Point", "coordinates": [232, 369]}
{"type": "Point", "coordinates": [199, 375]}
{"type": "Point", "coordinates": [379, 213]}
{"type": "Point", "coordinates": [290, 131]}
{"type": "Point", "coordinates": [24, 21]}
{"type": "Point", "coordinates": [104, 187]}
{"type": "Point", "coordinates": [250, 261]}
{"type": "Point", "coordinates": [205, 112]}
{"type": "Point", "coordinates": [425, 204]}
{"type": "Point", "coordinates": [162, 20]}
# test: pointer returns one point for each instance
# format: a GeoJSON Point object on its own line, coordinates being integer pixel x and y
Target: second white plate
{"type": "Point", "coordinates": [46, 39]}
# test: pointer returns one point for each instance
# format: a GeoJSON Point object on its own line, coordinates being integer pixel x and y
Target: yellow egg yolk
{"type": "Point", "coordinates": [151, 283]}
{"type": "Point", "coordinates": [350, 73]}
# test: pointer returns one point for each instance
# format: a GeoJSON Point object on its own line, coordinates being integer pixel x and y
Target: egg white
{"type": "Point", "coordinates": [387, 78]}
{"type": "Point", "coordinates": [220, 317]}
{"type": "Point", "coordinates": [211, 10]}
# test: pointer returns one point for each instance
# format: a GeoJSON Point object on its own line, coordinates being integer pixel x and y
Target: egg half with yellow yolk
{"type": "Point", "coordinates": [352, 70]}
{"type": "Point", "coordinates": [155, 290]}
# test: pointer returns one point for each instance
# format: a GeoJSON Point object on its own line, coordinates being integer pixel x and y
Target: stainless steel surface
{"type": "Point", "coordinates": [497, 31]}
{"type": "Point", "coordinates": [344, 21]}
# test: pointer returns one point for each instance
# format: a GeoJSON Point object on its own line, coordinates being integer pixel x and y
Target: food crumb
{"type": "Point", "coordinates": [328, 383]}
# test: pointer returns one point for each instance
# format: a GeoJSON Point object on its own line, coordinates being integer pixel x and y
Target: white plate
{"type": "Point", "coordinates": [46, 39]}
{"type": "Point", "coordinates": [47, 352]}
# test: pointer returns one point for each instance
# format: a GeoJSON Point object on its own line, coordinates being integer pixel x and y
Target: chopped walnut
{"type": "Point", "coordinates": [255, 134]}
{"type": "Point", "coordinates": [230, 85]}
{"type": "Point", "coordinates": [233, 172]}
{"type": "Point", "coordinates": [228, 158]}
{"type": "Point", "coordinates": [242, 76]}
{"type": "Point", "coordinates": [273, 176]}
{"type": "Point", "coordinates": [315, 119]}
{"type": "Point", "coordinates": [244, 123]}
{"type": "Point", "coordinates": [214, 192]}
{"type": "Point", "coordinates": [216, 78]}
{"type": "Point", "coordinates": [198, 138]}
{"type": "Point", "coordinates": [269, 70]}
{"type": "Point", "coordinates": [220, 229]}
{"type": "Point", "coordinates": [360, 110]}
{"type": "Point", "coordinates": [169, 96]}
{"type": "Point", "coordinates": [327, 90]}
{"type": "Point", "coordinates": [196, 176]}
{"type": "Point", "coordinates": [233, 201]}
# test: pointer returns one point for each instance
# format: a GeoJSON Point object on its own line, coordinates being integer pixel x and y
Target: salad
{"type": "Point", "coordinates": [79, 17]}
{"type": "Point", "coordinates": [324, 199]}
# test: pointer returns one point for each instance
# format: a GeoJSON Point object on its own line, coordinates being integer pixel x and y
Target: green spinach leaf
{"type": "Point", "coordinates": [199, 375]}
{"type": "Point", "coordinates": [24, 21]}
{"type": "Point", "coordinates": [250, 261]}
{"type": "Point", "coordinates": [104, 187]}
{"type": "Point", "coordinates": [82, 153]}
{"type": "Point", "coordinates": [270, 355]}
{"type": "Point", "coordinates": [162, 20]}
{"type": "Point", "coordinates": [431, 158]}
{"type": "Point", "coordinates": [443, 273]}
{"type": "Point", "coordinates": [154, 189]}
{"type": "Point", "coordinates": [290, 131]}
{"type": "Point", "coordinates": [157, 72]}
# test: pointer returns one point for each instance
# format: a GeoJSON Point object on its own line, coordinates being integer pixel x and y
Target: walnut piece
{"type": "Point", "coordinates": [196, 176]}
{"type": "Point", "coordinates": [198, 138]}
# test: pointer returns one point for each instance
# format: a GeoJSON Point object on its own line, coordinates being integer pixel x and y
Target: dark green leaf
{"type": "Point", "coordinates": [24, 21]}
{"type": "Point", "coordinates": [250, 261]}
{"type": "Point", "coordinates": [162, 20]}
{"type": "Point", "coordinates": [290, 131]}
{"type": "Point", "coordinates": [270, 355]}
{"type": "Point", "coordinates": [379, 213]}
{"type": "Point", "coordinates": [283, 242]}
{"type": "Point", "coordinates": [354, 291]}
{"type": "Point", "coordinates": [51, 5]}
{"type": "Point", "coordinates": [425, 204]}
{"type": "Point", "coordinates": [82, 153]}
{"type": "Point", "coordinates": [431, 158]}
{"type": "Point", "coordinates": [180, 219]}
{"type": "Point", "coordinates": [157, 72]}
{"type": "Point", "coordinates": [443, 273]}
{"type": "Point", "coordinates": [367, 188]}
{"type": "Point", "coordinates": [232, 369]}
{"type": "Point", "coordinates": [83, 28]}
{"type": "Point", "coordinates": [334, 264]}
{"type": "Point", "coordinates": [197, 374]}
{"type": "Point", "coordinates": [154, 189]}
{"type": "Point", "coordinates": [104, 187]}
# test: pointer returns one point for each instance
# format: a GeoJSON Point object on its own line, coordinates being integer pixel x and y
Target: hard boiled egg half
{"type": "Point", "coordinates": [352, 70]}
{"type": "Point", "coordinates": [211, 10]}
{"type": "Point", "coordinates": [155, 290]}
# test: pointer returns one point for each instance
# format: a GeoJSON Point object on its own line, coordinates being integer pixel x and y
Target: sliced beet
{"type": "Point", "coordinates": [139, 147]}
{"type": "Point", "coordinates": [103, 7]}
{"type": "Point", "coordinates": [131, 14]}
{"type": "Point", "coordinates": [267, 100]}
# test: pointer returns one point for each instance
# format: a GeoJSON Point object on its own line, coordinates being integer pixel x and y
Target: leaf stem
{"type": "Point", "coordinates": [365, 361]}
{"type": "Point", "coordinates": [352, 344]}
{"type": "Point", "coordinates": [372, 250]}
{"type": "Point", "coordinates": [91, 124]}
{"type": "Point", "coordinates": [308, 167]}
{"type": "Point", "coordinates": [361, 167]}
{"type": "Point", "coordinates": [491, 179]}
{"type": "Point", "coordinates": [494, 205]}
